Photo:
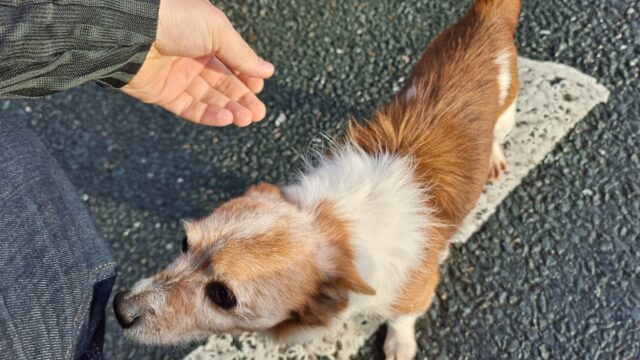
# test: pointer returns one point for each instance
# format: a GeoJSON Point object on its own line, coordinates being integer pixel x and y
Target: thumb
{"type": "Point", "coordinates": [234, 52]}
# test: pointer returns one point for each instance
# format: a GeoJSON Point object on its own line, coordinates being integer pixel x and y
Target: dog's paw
{"type": "Point", "coordinates": [400, 345]}
{"type": "Point", "coordinates": [498, 164]}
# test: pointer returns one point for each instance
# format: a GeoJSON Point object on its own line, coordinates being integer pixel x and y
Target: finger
{"type": "Point", "coordinates": [205, 114]}
{"type": "Point", "coordinates": [225, 82]}
{"type": "Point", "coordinates": [200, 90]}
{"type": "Point", "coordinates": [178, 104]}
{"type": "Point", "coordinates": [237, 92]}
{"type": "Point", "coordinates": [241, 115]}
{"type": "Point", "coordinates": [236, 53]}
{"type": "Point", "coordinates": [254, 84]}
{"type": "Point", "coordinates": [216, 116]}
{"type": "Point", "coordinates": [194, 111]}
{"type": "Point", "coordinates": [257, 107]}
{"type": "Point", "coordinates": [221, 78]}
{"type": "Point", "coordinates": [199, 112]}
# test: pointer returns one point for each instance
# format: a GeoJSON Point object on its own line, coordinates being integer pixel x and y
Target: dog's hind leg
{"type": "Point", "coordinates": [506, 121]}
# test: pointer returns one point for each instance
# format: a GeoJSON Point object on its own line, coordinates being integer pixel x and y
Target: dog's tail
{"type": "Point", "coordinates": [507, 11]}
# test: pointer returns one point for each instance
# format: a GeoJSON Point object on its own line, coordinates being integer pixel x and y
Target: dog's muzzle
{"type": "Point", "coordinates": [127, 310]}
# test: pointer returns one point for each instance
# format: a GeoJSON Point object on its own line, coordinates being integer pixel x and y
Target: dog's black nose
{"type": "Point", "coordinates": [127, 313]}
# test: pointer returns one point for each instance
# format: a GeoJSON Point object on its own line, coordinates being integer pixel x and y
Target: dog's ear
{"type": "Point", "coordinates": [265, 189]}
{"type": "Point", "coordinates": [355, 283]}
{"type": "Point", "coordinates": [325, 304]}
{"type": "Point", "coordinates": [330, 298]}
{"type": "Point", "coordinates": [332, 295]}
{"type": "Point", "coordinates": [343, 259]}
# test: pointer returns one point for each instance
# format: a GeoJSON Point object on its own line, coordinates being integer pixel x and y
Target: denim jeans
{"type": "Point", "coordinates": [56, 270]}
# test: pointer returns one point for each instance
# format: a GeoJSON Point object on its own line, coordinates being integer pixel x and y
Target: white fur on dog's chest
{"type": "Point", "coordinates": [380, 199]}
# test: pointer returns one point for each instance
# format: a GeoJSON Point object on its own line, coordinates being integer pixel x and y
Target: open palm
{"type": "Point", "coordinates": [200, 68]}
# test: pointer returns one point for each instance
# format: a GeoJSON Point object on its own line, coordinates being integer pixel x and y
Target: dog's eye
{"type": "Point", "coordinates": [221, 295]}
{"type": "Point", "coordinates": [185, 244]}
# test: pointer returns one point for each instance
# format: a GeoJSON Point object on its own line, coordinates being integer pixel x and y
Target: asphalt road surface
{"type": "Point", "coordinates": [553, 275]}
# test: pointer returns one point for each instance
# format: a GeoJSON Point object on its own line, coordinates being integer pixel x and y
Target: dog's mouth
{"type": "Point", "coordinates": [144, 331]}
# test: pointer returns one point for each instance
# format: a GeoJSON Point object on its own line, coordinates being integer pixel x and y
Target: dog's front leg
{"type": "Point", "coordinates": [400, 343]}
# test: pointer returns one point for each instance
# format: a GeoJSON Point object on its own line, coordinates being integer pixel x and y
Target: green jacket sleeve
{"type": "Point", "coordinates": [52, 45]}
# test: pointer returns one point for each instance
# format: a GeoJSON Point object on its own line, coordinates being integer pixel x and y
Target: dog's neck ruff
{"type": "Point", "coordinates": [378, 197]}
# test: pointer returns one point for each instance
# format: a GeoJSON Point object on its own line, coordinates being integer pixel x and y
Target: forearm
{"type": "Point", "coordinates": [48, 46]}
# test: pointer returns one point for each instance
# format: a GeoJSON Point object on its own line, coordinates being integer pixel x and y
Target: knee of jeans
{"type": "Point", "coordinates": [16, 140]}
{"type": "Point", "coordinates": [36, 191]}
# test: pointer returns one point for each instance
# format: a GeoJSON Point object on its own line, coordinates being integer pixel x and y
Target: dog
{"type": "Point", "coordinates": [366, 227]}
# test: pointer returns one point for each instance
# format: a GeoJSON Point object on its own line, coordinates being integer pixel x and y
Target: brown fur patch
{"type": "Point", "coordinates": [337, 231]}
{"type": "Point", "coordinates": [201, 235]}
{"type": "Point", "coordinates": [508, 11]}
{"type": "Point", "coordinates": [241, 205]}
{"type": "Point", "coordinates": [259, 256]}
{"type": "Point", "coordinates": [420, 287]}
{"type": "Point", "coordinates": [266, 189]}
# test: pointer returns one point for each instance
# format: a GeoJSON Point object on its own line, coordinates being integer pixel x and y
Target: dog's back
{"type": "Point", "coordinates": [445, 115]}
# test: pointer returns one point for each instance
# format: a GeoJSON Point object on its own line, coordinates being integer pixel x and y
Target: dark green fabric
{"type": "Point", "coordinates": [52, 45]}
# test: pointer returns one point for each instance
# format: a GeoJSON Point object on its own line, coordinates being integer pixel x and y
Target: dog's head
{"type": "Point", "coordinates": [257, 263]}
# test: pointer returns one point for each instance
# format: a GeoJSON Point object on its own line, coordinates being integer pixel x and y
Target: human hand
{"type": "Point", "coordinates": [200, 68]}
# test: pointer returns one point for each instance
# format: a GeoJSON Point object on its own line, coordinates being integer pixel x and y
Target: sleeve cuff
{"type": "Point", "coordinates": [49, 46]}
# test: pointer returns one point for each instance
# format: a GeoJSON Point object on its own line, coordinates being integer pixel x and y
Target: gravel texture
{"type": "Point", "coordinates": [553, 275]}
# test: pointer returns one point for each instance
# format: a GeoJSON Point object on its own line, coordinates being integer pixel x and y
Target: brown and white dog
{"type": "Point", "coordinates": [364, 230]}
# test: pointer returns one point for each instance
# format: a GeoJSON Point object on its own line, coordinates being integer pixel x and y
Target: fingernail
{"type": "Point", "coordinates": [267, 65]}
